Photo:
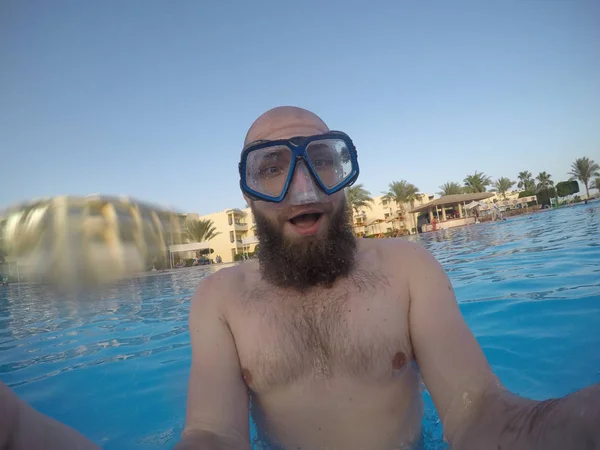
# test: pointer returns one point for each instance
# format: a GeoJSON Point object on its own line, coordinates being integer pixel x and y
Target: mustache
{"type": "Point", "coordinates": [305, 262]}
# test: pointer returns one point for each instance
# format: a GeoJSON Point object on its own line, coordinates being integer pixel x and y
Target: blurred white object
{"type": "Point", "coordinates": [88, 241]}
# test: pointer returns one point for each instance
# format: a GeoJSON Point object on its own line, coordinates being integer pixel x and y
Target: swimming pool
{"type": "Point", "coordinates": [115, 366]}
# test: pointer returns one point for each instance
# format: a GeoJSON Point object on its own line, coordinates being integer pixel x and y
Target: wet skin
{"type": "Point", "coordinates": [332, 368]}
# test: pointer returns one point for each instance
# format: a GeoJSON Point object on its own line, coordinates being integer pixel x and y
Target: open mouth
{"type": "Point", "coordinates": [306, 221]}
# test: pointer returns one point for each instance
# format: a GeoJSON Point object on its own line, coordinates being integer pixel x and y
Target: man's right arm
{"type": "Point", "coordinates": [24, 428]}
{"type": "Point", "coordinates": [217, 403]}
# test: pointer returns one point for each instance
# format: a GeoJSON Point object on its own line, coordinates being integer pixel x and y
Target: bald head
{"type": "Point", "coordinates": [285, 122]}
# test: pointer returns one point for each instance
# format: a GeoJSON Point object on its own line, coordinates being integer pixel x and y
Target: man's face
{"type": "Point", "coordinates": [301, 244]}
{"type": "Point", "coordinates": [302, 221]}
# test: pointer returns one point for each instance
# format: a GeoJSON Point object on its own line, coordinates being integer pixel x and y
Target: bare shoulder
{"type": "Point", "coordinates": [400, 255]}
{"type": "Point", "coordinates": [221, 289]}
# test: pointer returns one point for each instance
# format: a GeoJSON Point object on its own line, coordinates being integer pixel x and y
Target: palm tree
{"type": "Point", "coordinates": [526, 182]}
{"type": "Point", "coordinates": [402, 192]}
{"type": "Point", "coordinates": [450, 188]}
{"type": "Point", "coordinates": [502, 185]}
{"type": "Point", "coordinates": [583, 169]}
{"type": "Point", "coordinates": [476, 182]}
{"type": "Point", "coordinates": [544, 181]}
{"type": "Point", "coordinates": [596, 184]}
{"type": "Point", "coordinates": [200, 230]}
{"type": "Point", "coordinates": [358, 197]}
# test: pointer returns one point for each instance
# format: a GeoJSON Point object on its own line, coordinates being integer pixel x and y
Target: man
{"type": "Point", "coordinates": [324, 338]}
{"type": "Point", "coordinates": [321, 338]}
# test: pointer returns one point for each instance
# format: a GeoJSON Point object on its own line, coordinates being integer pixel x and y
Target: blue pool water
{"type": "Point", "coordinates": [115, 366]}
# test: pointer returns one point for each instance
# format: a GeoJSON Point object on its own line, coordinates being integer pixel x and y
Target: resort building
{"type": "Point", "coordinates": [236, 233]}
{"type": "Point", "coordinates": [101, 236]}
{"type": "Point", "coordinates": [449, 211]}
{"type": "Point", "coordinates": [236, 228]}
{"type": "Point", "coordinates": [385, 216]}
{"type": "Point", "coordinates": [139, 225]}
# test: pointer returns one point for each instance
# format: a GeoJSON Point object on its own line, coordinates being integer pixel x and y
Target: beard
{"type": "Point", "coordinates": [309, 261]}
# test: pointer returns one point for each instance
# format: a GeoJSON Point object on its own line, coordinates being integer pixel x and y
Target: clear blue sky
{"type": "Point", "coordinates": [153, 99]}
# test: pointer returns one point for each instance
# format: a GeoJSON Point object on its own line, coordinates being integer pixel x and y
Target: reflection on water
{"type": "Point", "coordinates": [529, 289]}
{"type": "Point", "coordinates": [133, 319]}
{"type": "Point", "coordinates": [122, 354]}
{"type": "Point", "coordinates": [532, 257]}
{"type": "Point", "coordinates": [115, 364]}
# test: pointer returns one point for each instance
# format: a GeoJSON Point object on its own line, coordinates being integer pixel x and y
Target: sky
{"type": "Point", "coordinates": [152, 99]}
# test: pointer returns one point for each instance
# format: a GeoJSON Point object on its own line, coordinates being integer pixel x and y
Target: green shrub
{"type": "Point", "coordinates": [566, 188]}
{"type": "Point", "coordinates": [545, 195]}
{"type": "Point", "coordinates": [526, 194]}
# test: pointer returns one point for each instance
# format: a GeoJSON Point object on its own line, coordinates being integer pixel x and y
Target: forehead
{"type": "Point", "coordinates": [285, 123]}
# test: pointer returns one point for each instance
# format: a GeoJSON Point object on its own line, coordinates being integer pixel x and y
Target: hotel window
{"type": "Point", "coordinates": [231, 236]}
{"type": "Point", "coordinates": [230, 219]}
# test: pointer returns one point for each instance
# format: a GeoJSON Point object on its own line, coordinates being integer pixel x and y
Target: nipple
{"type": "Point", "coordinates": [399, 363]}
{"type": "Point", "coordinates": [246, 376]}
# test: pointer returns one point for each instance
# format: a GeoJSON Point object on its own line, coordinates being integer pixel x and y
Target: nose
{"type": "Point", "coordinates": [302, 181]}
{"type": "Point", "coordinates": [303, 189]}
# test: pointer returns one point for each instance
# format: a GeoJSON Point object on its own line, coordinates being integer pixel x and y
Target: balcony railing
{"type": "Point", "coordinates": [250, 240]}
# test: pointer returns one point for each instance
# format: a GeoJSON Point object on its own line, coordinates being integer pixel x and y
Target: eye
{"type": "Point", "coordinates": [270, 171]}
{"type": "Point", "coordinates": [323, 162]}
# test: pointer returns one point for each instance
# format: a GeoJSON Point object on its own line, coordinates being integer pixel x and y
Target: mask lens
{"type": "Point", "coordinates": [267, 169]}
{"type": "Point", "coordinates": [331, 160]}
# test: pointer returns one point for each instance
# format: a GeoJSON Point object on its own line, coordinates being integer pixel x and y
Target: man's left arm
{"type": "Point", "coordinates": [476, 410]}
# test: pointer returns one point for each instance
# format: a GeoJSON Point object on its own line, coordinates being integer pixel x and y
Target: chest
{"type": "Point", "coordinates": [348, 333]}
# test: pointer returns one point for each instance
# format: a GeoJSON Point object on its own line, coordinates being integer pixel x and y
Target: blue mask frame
{"type": "Point", "coordinates": [298, 147]}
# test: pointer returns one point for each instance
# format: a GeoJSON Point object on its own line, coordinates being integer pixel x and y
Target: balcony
{"type": "Point", "coordinates": [249, 240]}
{"type": "Point", "coordinates": [239, 225]}
{"type": "Point", "coordinates": [237, 219]}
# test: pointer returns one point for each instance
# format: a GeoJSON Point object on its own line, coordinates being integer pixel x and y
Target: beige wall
{"type": "Point", "coordinates": [380, 218]}
{"type": "Point", "coordinates": [450, 224]}
{"type": "Point", "coordinates": [235, 228]}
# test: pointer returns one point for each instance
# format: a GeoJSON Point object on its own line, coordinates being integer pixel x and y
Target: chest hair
{"type": "Point", "coordinates": [314, 334]}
